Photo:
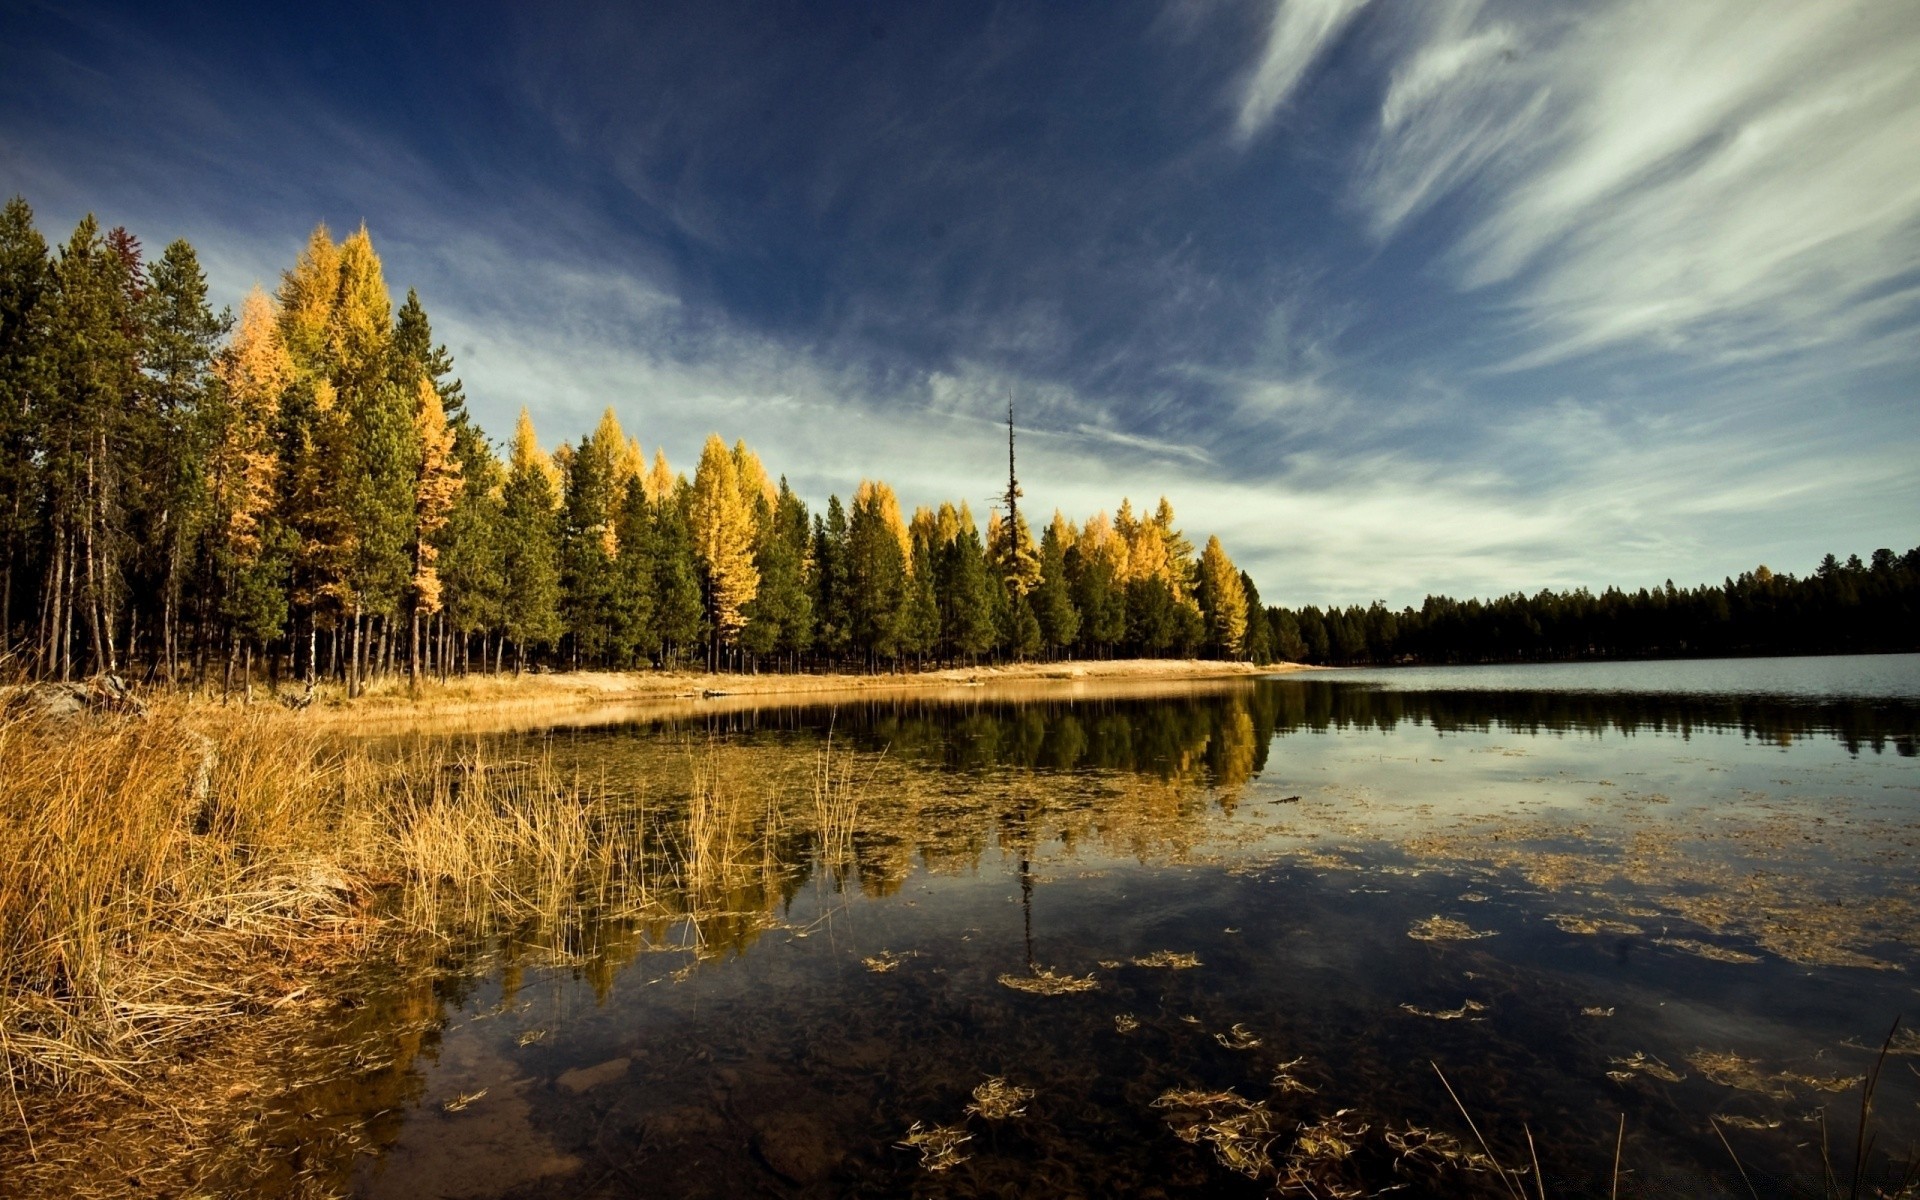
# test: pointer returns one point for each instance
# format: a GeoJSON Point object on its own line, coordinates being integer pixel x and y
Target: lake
{"type": "Point", "coordinates": [1325, 934]}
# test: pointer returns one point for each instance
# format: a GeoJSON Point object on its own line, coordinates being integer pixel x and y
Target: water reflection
{"type": "Point", "coordinates": [1225, 729]}
{"type": "Point", "coordinates": [1294, 893]}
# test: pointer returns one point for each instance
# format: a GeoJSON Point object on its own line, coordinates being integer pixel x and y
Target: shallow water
{"type": "Point", "coordinates": [1582, 894]}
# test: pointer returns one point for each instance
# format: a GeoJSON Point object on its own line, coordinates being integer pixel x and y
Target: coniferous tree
{"type": "Point", "coordinates": [920, 623]}
{"type": "Point", "coordinates": [171, 433]}
{"type": "Point", "coordinates": [780, 616]}
{"type": "Point", "coordinates": [589, 543]}
{"type": "Point", "coordinates": [633, 633]}
{"type": "Point", "coordinates": [26, 283]}
{"type": "Point", "coordinates": [1258, 647]}
{"type": "Point", "coordinates": [833, 624]}
{"type": "Point", "coordinates": [878, 555]}
{"type": "Point", "coordinates": [968, 620]}
{"type": "Point", "coordinates": [1021, 637]}
{"type": "Point", "coordinates": [1222, 602]}
{"type": "Point", "coordinates": [472, 547]}
{"type": "Point", "coordinates": [721, 518]}
{"type": "Point", "coordinates": [1053, 600]}
{"type": "Point", "coordinates": [435, 488]}
{"type": "Point", "coordinates": [530, 562]}
{"type": "Point", "coordinates": [678, 607]}
{"type": "Point", "coordinates": [246, 548]}
{"type": "Point", "coordinates": [92, 369]}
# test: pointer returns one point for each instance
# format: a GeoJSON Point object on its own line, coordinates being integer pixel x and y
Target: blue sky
{"type": "Point", "coordinates": [1396, 298]}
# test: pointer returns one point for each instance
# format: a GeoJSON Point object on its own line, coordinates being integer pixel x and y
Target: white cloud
{"type": "Point", "coordinates": [1300, 31]}
{"type": "Point", "coordinates": [1719, 175]}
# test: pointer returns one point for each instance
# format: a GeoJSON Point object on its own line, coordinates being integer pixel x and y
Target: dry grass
{"type": "Point", "coordinates": [174, 905]}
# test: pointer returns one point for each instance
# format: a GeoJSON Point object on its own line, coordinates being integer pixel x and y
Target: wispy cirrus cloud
{"type": "Point", "coordinates": [1299, 33]}
{"type": "Point", "coordinates": [1719, 177]}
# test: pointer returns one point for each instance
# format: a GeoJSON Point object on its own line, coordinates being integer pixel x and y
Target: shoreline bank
{"type": "Point", "coordinates": [606, 697]}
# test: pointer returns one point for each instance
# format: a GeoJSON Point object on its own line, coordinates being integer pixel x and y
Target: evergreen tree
{"type": "Point", "coordinates": [1100, 599]}
{"type": "Point", "coordinates": [92, 369]}
{"type": "Point", "coordinates": [472, 547]}
{"type": "Point", "coordinates": [968, 616]}
{"type": "Point", "coordinates": [26, 284]}
{"type": "Point", "coordinates": [530, 562]}
{"type": "Point", "coordinates": [678, 606]}
{"type": "Point", "coordinates": [833, 606]}
{"type": "Point", "coordinates": [1053, 600]}
{"type": "Point", "coordinates": [878, 555]}
{"type": "Point", "coordinates": [1021, 638]}
{"type": "Point", "coordinates": [780, 616]}
{"type": "Point", "coordinates": [413, 346]}
{"type": "Point", "coordinates": [171, 432]}
{"type": "Point", "coordinates": [1258, 647]}
{"type": "Point", "coordinates": [589, 543]}
{"type": "Point", "coordinates": [920, 627]}
{"type": "Point", "coordinates": [633, 633]}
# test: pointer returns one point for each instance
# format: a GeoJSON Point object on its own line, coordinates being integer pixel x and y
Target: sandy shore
{"type": "Point", "coordinates": [579, 697]}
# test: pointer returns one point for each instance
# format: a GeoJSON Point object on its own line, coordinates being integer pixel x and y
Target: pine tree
{"type": "Point", "coordinates": [92, 371]}
{"type": "Point", "coordinates": [413, 345]}
{"type": "Point", "coordinates": [920, 630]}
{"type": "Point", "coordinates": [833, 605]}
{"type": "Point", "coordinates": [632, 631]}
{"type": "Point", "coordinates": [1258, 647]}
{"type": "Point", "coordinates": [968, 618]}
{"type": "Point", "coordinates": [171, 432]}
{"type": "Point", "coordinates": [530, 562]}
{"type": "Point", "coordinates": [877, 558]}
{"type": "Point", "coordinates": [26, 285]}
{"type": "Point", "coordinates": [1022, 637]}
{"type": "Point", "coordinates": [472, 549]}
{"type": "Point", "coordinates": [1053, 599]}
{"type": "Point", "coordinates": [589, 541]}
{"type": "Point", "coordinates": [678, 607]}
{"type": "Point", "coordinates": [780, 616]}
{"type": "Point", "coordinates": [1096, 569]}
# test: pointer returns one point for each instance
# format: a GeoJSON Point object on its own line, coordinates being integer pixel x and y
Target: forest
{"type": "Point", "coordinates": [300, 491]}
{"type": "Point", "coordinates": [1846, 607]}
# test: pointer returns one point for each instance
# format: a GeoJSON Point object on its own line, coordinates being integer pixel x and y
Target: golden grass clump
{"type": "Point", "coordinates": [171, 898]}
{"type": "Point", "coordinates": [997, 1100]}
{"type": "Point", "coordinates": [1467, 1008]}
{"type": "Point", "coordinates": [1445, 929]}
{"type": "Point", "coordinates": [1047, 982]}
{"type": "Point", "coordinates": [939, 1145]}
{"type": "Point", "coordinates": [1168, 959]}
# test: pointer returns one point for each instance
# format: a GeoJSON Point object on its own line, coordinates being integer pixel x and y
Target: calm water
{"type": "Point", "coordinates": [1680, 894]}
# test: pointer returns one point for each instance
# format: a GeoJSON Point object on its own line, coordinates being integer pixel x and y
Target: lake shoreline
{"type": "Point", "coordinates": [598, 697]}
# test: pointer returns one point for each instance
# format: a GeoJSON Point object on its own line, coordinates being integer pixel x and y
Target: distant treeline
{"type": "Point", "coordinates": [182, 493]}
{"type": "Point", "coordinates": [1843, 607]}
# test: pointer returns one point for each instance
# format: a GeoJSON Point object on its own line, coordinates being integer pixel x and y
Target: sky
{"type": "Point", "coordinates": [1448, 297]}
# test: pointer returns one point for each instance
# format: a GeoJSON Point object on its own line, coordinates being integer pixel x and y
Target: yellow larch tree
{"type": "Point", "coordinates": [308, 293]}
{"type": "Point", "coordinates": [722, 522]}
{"type": "Point", "coordinates": [1225, 599]}
{"type": "Point", "coordinates": [255, 370]}
{"type": "Point", "coordinates": [435, 488]}
{"type": "Point", "coordinates": [878, 497]}
{"type": "Point", "coordinates": [660, 480]}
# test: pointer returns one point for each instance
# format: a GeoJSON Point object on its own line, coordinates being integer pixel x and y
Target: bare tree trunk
{"type": "Point", "coordinates": [353, 656]}
{"type": "Point", "coordinates": [413, 654]}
